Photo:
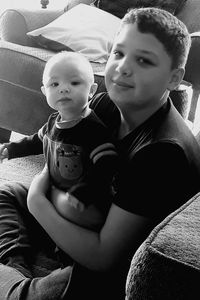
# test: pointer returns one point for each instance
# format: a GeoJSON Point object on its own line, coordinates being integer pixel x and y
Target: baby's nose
{"type": "Point", "coordinates": [64, 89]}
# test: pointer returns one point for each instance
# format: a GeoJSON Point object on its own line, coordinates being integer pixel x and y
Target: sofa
{"type": "Point", "coordinates": [167, 264]}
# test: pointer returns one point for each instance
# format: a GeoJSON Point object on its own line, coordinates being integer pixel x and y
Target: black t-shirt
{"type": "Point", "coordinates": [160, 161]}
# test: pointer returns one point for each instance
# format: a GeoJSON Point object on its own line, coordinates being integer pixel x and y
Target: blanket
{"type": "Point", "coordinates": [21, 169]}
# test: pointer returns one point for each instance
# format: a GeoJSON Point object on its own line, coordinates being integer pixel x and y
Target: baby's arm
{"type": "Point", "coordinates": [28, 145]}
{"type": "Point", "coordinates": [3, 153]}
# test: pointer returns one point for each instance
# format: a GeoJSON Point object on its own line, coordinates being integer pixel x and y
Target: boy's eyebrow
{"type": "Point", "coordinates": [141, 50]}
{"type": "Point", "coordinates": [147, 52]}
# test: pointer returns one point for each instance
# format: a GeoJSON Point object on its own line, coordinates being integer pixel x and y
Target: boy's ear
{"type": "Point", "coordinates": [93, 89]}
{"type": "Point", "coordinates": [176, 78]}
{"type": "Point", "coordinates": [43, 90]}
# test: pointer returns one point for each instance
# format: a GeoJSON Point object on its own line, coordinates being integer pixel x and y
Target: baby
{"type": "Point", "coordinates": [79, 153]}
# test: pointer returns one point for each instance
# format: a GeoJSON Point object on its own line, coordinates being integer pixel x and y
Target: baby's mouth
{"type": "Point", "coordinates": [65, 99]}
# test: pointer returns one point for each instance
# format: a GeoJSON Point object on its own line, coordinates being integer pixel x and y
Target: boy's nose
{"type": "Point", "coordinates": [124, 68]}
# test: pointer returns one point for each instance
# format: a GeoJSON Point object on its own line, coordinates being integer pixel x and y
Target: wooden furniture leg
{"type": "Point", "coordinates": [44, 3]}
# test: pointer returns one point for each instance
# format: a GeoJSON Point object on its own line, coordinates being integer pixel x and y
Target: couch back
{"type": "Point", "coordinates": [190, 15]}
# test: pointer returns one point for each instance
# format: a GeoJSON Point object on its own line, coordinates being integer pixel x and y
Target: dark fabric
{"type": "Point", "coordinates": [48, 44]}
{"type": "Point", "coordinates": [167, 265]}
{"type": "Point", "coordinates": [29, 145]}
{"type": "Point", "coordinates": [28, 265]}
{"type": "Point", "coordinates": [181, 101]}
{"type": "Point", "coordinates": [86, 284]}
{"type": "Point", "coordinates": [160, 162]}
{"type": "Point", "coordinates": [120, 7]}
{"type": "Point", "coordinates": [81, 159]}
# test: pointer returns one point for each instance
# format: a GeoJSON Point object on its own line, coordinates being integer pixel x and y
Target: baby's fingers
{"type": "Point", "coordinates": [74, 202]}
{"type": "Point", "coordinates": [3, 153]}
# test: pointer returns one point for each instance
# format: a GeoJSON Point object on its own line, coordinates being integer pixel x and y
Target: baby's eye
{"type": "Point", "coordinates": [54, 84]}
{"type": "Point", "coordinates": [75, 83]}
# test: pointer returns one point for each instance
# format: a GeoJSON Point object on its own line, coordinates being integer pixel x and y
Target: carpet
{"type": "Point", "coordinates": [21, 169]}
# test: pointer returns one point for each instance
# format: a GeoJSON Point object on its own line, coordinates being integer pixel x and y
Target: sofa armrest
{"type": "Point", "coordinates": [15, 23]}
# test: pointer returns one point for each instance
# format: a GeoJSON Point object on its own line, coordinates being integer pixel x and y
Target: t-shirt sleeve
{"type": "Point", "coordinates": [154, 182]}
{"type": "Point", "coordinates": [29, 145]}
{"type": "Point", "coordinates": [106, 110]}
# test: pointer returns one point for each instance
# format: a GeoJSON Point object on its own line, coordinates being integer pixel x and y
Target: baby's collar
{"type": "Point", "coordinates": [73, 122]}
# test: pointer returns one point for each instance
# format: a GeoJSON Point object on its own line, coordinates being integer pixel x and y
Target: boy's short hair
{"type": "Point", "coordinates": [167, 28]}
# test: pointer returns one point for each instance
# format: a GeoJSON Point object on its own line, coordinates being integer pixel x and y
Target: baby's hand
{"type": "Point", "coordinates": [3, 153]}
{"type": "Point", "coordinates": [74, 202]}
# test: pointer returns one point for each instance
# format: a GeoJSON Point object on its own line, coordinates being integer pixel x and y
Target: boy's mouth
{"type": "Point", "coordinates": [122, 84]}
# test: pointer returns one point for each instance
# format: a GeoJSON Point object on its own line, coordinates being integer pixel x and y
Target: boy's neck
{"type": "Point", "coordinates": [138, 117]}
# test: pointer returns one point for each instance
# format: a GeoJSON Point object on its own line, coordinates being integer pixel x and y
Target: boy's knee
{"type": "Point", "coordinates": [13, 192]}
{"type": "Point", "coordinates": [14, 285]}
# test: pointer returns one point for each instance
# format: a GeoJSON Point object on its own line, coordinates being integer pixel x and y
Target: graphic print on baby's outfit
{"type": "Point", "coordinates": [65, 163]}
{"type": "Point", "coordinates": [69, 163]}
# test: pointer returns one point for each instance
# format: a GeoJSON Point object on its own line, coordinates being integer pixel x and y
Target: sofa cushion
{"type": "Point", "coordinates": [167, 264]}
{"type": "Point", "coordinates": [21, 170]}
{"type": "Point", "coordinates": [84, 28]}
{"type": "Point", "coordinates": [15, 23]}
{"type": "Point", "coordinates": [20, 89]}
{"type": "Point", "coordinates": [71, 3]}
{"type": "Point", "coordinates": [120, 7]}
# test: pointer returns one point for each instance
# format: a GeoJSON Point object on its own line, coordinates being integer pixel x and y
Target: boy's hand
{"type": "Point", "coordinates": [3, 153]}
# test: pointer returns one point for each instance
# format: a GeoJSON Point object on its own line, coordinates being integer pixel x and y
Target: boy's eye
{"type": "Point", "coordinates": [117, 53]}
{"type": "Point", "coordinates": [144, 61]}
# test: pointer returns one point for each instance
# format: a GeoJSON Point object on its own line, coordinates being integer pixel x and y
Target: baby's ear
{"type": "Point", "coordinates": [93, 89]}
{"type": "Point", "coordinates": [43, 90]}
{"type": "Point", "coordinates": [176, 78]}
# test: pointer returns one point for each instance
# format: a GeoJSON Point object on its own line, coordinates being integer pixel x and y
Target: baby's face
{"type": "Point", "coordinates": [67, 86]}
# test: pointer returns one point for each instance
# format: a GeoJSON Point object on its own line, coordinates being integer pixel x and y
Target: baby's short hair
{"type": "Point", "coordinates": [67, 55]}
{"type": "Point", "coordinates": [167, 28]}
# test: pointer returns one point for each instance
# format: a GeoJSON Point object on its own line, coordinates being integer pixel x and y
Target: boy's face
{"type": "Point", "coordinates": [67, 86]}
{"type": "Point", "coordinates": [138, 72]}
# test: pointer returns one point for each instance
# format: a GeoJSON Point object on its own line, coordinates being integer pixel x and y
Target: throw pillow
{"type": "Point", "coordinates": [120, 7]}
{"type": "Point", "coordinates": [84, 28]}
{"type": "Point", "coordinates": [71, 3]}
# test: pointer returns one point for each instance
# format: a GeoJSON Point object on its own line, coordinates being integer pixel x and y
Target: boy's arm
{"type": "Point", "coordinates": [122, 233]}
